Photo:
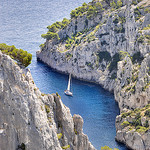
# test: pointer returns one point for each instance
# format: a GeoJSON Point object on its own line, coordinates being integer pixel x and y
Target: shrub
{"type": "Point", "coordinates": [57, 94]}
{"type": "Point", "coordinates": [91, 11]}
{"type": "Point", "coordinates": [125, 124]}
{"type": "Point", "coordinates": [50, 35]}
{"type": "Point", "coordinates": [22, 57]}
{"type": "Point", "coordinates": [52, 28]}
{"type": "Point", "coordinates": [66, 147]}
{"type": "Point", "coordinates": [108, 148]}
{"type": "Point", "coordinates": [47, 109]}
{"type": "Point", "coordinates": [59, 135]}
{"type": "Point", "coordinates": [147, 28]}
{"type": "Point", "coordinates": [78, 11]}
{"type": "Point", "coordinates": [141, 129]}
{"type": "Point", "coordinates": [99, 6]}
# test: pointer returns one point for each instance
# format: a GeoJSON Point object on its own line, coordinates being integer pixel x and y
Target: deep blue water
{"type": "Point", "coordinates": [21, 24]}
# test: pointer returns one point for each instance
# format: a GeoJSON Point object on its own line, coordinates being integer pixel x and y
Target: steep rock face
{"type": "Point", "coordinates": [133, 128]}
{"type": "Point", "coordinates": [94, 54]}
{"type": "Point", "coordinates": [33, 120]}
{"type": "Point", "coordinates": [132, 84]}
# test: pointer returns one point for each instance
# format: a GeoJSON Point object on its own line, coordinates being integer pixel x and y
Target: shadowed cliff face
{"type": "Point", "coordinates": [90, 48]}
{"type": "Point", "coordinates": [31, 119]}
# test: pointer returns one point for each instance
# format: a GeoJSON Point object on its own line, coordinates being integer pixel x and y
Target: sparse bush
{"type": "Point", "coordinates": [59, 135]}
{"type": "Point", "coordinates": [141, 129]}
{"type": "Point", "coordinates": [147, 28]}
{"type": "Point", "coordinates": [50, 35]}
{"type": "Point", "coordinates": [66, 147]}
{"type": "Point", "coordinates": [47, 109]}
{"type": "Point", "coordinates": [125, 124]}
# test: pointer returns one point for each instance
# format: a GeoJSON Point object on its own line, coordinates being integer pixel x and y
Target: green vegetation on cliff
{"type": "Point", "coordinates": [22, 57]}
{"type": "Point", "coordinates": [138, 119]}
{"type": "Point", "coordinates": [108, 148]}
{"type": "Point", "coordinates": [54, 28]}
{"type": "Point", "coordinates": [91, 9]}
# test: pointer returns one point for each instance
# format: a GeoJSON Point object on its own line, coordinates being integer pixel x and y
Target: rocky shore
{"type": "Point", "coordinates": [111, 47]}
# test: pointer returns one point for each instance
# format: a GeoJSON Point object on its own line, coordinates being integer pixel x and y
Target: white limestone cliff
{"type": "Point", "coordinates": [95, 58]}
{"type": "Point", "coordinates": [113, 50]}
{"type": "Point", "coordinates": [32, 120]}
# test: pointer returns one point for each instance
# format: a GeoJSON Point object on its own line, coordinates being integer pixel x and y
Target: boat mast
{"type": "Point", "coordinates": [68, 88]}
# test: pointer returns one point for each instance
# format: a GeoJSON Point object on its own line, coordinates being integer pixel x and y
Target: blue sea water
{"type": "Point", "coordinates": [21, 24]}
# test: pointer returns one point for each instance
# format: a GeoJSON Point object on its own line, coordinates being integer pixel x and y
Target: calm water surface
{"type": "Point", "coordinates": [21, 24]}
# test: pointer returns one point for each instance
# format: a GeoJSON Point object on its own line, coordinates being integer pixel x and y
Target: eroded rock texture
{"type": "Point", "coordinates": [32, 120]}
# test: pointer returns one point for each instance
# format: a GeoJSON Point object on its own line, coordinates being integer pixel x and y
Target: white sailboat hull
{"type": "Point", "coordinates": [68, 93]}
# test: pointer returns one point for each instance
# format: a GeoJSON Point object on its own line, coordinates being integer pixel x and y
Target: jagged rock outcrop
{"type": "Point", "coordinates": [32, 120]}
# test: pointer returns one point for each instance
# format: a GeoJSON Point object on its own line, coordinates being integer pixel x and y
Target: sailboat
{"type": "Point", "coordinates": [68, 92]}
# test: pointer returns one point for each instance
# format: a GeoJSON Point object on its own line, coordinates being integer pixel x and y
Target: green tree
{"type": "Point", "coordinates": [23, 57]}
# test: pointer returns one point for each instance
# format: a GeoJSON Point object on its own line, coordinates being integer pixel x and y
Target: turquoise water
{"type": "Point", "coordinates": [21, 24]}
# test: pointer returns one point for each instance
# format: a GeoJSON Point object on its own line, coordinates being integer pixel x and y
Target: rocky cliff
{"type": "Point", "coordinates": [106, 42]}
{"type": "Point", "coordinates": [92, 45]}
{"type": "Point", "coordinates": [133, 128]}
{"type": "Point", "coordinates": [32, 120]}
